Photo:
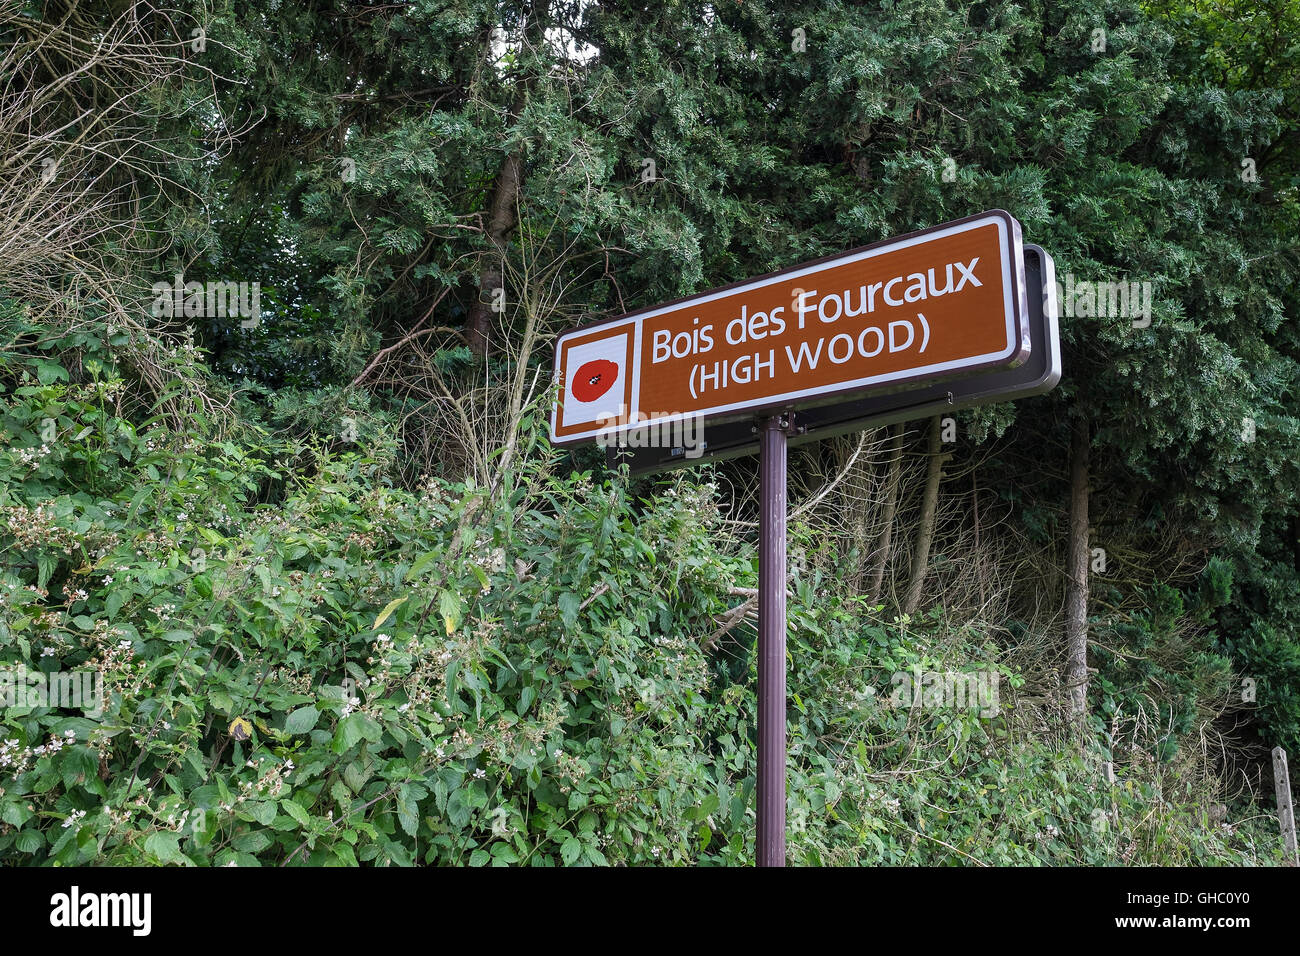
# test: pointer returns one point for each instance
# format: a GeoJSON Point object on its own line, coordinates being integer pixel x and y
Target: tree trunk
{"type": "Point", "coordinates": [929, 505]}
{"type": "Point", "coordinates": [1076, 608]}
{"type": "Point", "coordinates": [502, 209]}
{"type": "Point", "coordinates": [501, 220]}
{"type": "Point", "coordinates": [880, 554]}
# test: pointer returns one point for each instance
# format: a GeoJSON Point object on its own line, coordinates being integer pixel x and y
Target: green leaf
{"type": "Point", "coordinates": [355, 776]}
{"type": "Point", "coordinates": [79, 764]}
{"type": "Point", "coordinates": [569, 603]}
{"type": "Point", "coordinates": [221, 701]}
{"type": "Point", "coordinates": [408, 809]}
{"type": "Point", "coordinates": [458, 810]}
{"type": "Point", "coordinates": [450, 609]}
{"type": "Point", "coordinates": [389, 608]}
{"type": "Point", "coordinates": [504, 853]}
{"type": "Point", "coordinates": [16, 814]}
{"type": "Point", "coordinates": [45, 566]}
{"type": "Point", "coordinates": [422, 562]}
{"type": "Point", "coordinates": [255, 841]}
{"type": "Point", "coordinates": [354, 728]}
{"type": "Point", "coordinates": [347, 856]}
{"type": "Point", "coordinates": [165, 845]}
{"type": "Point", "coordinates": [114, 603]}
{"type": "Point", "coordinates": [47, 373]}
{"type": "Point", "coordinates": [296, 811]}
{"type": "Point", "coordinates": [570, 850]}
{"type": "Point", "coordinates": [301, 720]}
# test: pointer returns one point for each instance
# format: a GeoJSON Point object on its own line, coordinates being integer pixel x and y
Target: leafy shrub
{"type": "Point", "coordinates": [309, 666]}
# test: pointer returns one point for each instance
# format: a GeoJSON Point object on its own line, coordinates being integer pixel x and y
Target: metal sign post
{"type": "Point", "coordinates": [771, 641]}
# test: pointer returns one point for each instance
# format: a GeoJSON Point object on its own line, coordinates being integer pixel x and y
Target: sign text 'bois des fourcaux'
{"type": "Point", "coordinates": [941, 303]}
{"type": "Point", "coordinates": [686, 443]}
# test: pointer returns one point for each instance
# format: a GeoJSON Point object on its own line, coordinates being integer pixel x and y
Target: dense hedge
{"type": "Point", "coordinates": [442, 676]}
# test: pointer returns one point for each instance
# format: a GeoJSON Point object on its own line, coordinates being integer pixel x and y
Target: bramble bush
{"type": "Point", "coordinates": [427, 679]}
{"type": "Point", "coordinates": [454, 675]}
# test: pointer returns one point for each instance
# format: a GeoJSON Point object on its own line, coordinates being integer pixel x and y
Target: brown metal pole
{"type": "Point", "coordinates": [771, 643]}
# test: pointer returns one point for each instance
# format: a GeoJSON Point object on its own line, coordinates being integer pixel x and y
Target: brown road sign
{"type": "Point", "coordinates": [933, 305]}
{"type": "Point", "coordinates": [645, 451]}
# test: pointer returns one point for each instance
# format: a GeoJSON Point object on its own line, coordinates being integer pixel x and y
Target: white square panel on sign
{"type": "Point", "coordinates": [594, 393]}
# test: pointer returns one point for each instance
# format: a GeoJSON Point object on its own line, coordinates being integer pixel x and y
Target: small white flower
{"type": "Point", "coordinates": [74, 818]}
{"type": "Point", "coordinates": [480, 774]}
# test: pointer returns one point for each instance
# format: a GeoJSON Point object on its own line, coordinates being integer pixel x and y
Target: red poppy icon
{"type": "Point", "coordinates": [593, 379]}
